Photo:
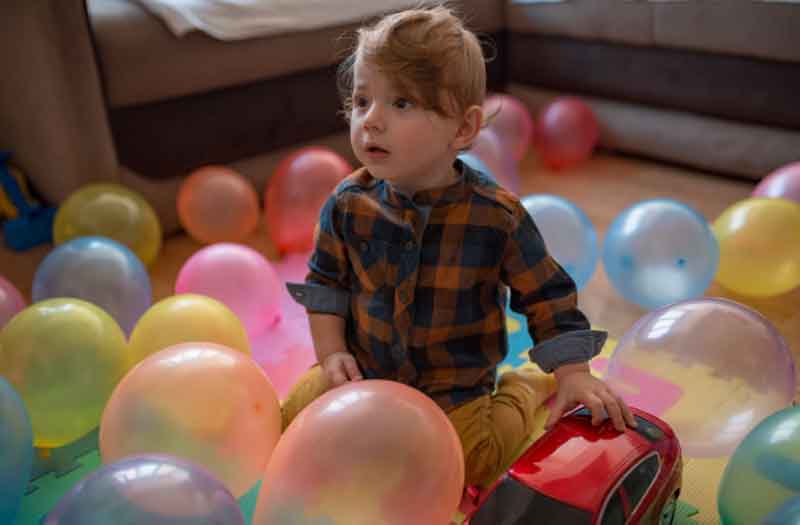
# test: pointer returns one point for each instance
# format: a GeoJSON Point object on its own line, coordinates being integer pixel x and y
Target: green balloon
{"type": "Point", "coordinates": [763, 475]}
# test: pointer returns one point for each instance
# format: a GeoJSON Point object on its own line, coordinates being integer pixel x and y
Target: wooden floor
{"type": "Point", "coordinates": [603, 187]}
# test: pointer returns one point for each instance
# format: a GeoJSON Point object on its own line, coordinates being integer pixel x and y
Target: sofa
{"type": "Point", "coordinates": [101, 90]}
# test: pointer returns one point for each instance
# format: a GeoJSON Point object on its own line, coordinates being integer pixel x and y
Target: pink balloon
{"type": "Point", "coordinates": [295, 195]}
{"type": "Point", "coordinates": [364, 453]}
{"type": "Point", "coordinates": [566, 133]}
{"type": "Point", "coordinates": [200, 401]}
{"type": "Point", "coordinates": [512, 122]}
{"type": "Point", "coordinates": [284, 351]}
{"type": "Point", "coordinates": [11, 301]}
{"type": "Point", "coordinates": [782, 183]}
{"type": "Point", "coordinates": [500, 161]}
{"type": "Point", "coordinates": [237, 276]}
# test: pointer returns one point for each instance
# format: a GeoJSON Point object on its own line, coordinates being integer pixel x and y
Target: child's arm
{"type": "Point", "coordinates": [565, 342]}
{"type": "Point", "coordinates": [327, 332]}
{"type": "Point", "coordinates": [326, 295]}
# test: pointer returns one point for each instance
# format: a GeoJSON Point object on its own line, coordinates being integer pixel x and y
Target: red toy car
{"type": "Point", "coordinates": [578, 474]}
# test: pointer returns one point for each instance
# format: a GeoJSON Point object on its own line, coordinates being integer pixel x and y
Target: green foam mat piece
{"type": "Point", "coordinates": [684, 513]}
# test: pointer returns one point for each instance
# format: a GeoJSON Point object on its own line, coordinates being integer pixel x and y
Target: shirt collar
{"type": "Point", "coordinates": [453, 193]}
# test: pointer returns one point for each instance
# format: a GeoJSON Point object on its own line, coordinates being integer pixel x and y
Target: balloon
{"type": "Point", "coordinates": [296, 192]}
{"type": "Point", "coordinates": [200, 401]}
{"type": "Point", "coordinates": [148, 488]}
{"type": "Point", "coordinates": [568, 234]}
{"type": "Point", "coordinates": [285, 350]}
{"type": "Point", "coordinates": [216, 204]}
{"type": "Point", "coordinates": [185, 318]}
{"type": "Point", "coordinates": [365, 453]}
{"type": "Point", "coordinates": [759, 242]}
{"type": "Point", "coordinates": [500, 162]}
{"type": "Point", "coordinates": [512, 122]}
{"type": "Point", "coordinates": [16, 451]}
{"type": "Point", "coordinates": [659, 252]}
{"type": "Point", "coordinates": [113, 211]}
{"type": "Point", "coordinates": [782, 183]}
{"type": "Point", "coordinates": [566, 133]}
{"type": "Point", "coordinates": [100, 271]}
{"type": "Point", "coordinates": [64, 357]}
{"type": "Point", "coordinates": [725, 367]}
{"type": "Point", "coordinates": [761, 482]}
{"type": "Point", "coordinates": [240, 278]}
{"type": "Point", "coordinates": [11, 301]}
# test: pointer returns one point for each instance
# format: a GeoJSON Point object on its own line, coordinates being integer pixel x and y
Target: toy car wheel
{"type": "Point", "coordinates": [668, 511]}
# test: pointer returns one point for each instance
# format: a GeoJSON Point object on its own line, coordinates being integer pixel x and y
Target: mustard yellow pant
{"type": "Point", "coordinates": [494, 429]}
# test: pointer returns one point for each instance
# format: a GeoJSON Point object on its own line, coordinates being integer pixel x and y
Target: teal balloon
{"type": "Point", "coordinates": [98, 270]}
{"type": "Point", "coordinates": [16, 451]}
{"type": "Point", "coordinates": [659, 252]}
{"type": "Point", "coordinates": [761, 483]}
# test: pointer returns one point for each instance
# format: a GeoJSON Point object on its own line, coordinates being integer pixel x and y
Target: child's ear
{"type": "Point", "coordinates": [470, 127]}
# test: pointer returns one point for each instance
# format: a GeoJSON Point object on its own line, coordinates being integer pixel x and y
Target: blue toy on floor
{"type": "Point", "coordinates": [27, 223]}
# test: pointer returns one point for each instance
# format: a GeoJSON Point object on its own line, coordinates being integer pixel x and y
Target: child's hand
{"type": "Point", "coordinates": [576, 385]}
{"type": "Point", "coordinates": [341, 367]}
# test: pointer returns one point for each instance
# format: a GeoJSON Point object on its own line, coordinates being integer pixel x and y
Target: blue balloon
{"type": "Point", "coordinates": [148, 488]}
{"type": "Point", "coordinates": [659, 252]}
{"type": "Point", "coordinates": [568, 234]}
{"type": "Point", "coordinates": [472, 160]}
{"type": "Point", "coordinates": [98, 270]}
{"type": "Point", "coordinates": [16, 451]}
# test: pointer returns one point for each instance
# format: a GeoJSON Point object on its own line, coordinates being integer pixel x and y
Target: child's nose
{"type": "Point", "coordinates": [374, 118]}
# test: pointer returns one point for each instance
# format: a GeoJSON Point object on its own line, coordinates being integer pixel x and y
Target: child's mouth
{"type": "Point", "coordinates": [376, 152]}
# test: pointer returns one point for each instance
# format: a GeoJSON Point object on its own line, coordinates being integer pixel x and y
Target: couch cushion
{"type": "Point", "coordinates": [612, 20]}
{"type": "Point", "coordinates": [142, 61]}
{"type": "Point", "coordinates": [761, 29]}
{"type": "Point", "coordinates": [755, 28]}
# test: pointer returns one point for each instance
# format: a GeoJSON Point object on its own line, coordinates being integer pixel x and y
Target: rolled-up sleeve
{"type": "Point", "coordinates": [327, 285]}
{"type": "Point", "coordinates": [543, 292]}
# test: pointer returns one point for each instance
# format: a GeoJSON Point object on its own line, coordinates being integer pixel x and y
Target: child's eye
{"type": "Point", "coordinates": [360, 102]}
{"type": "Point", "coordinates": [403, 103]}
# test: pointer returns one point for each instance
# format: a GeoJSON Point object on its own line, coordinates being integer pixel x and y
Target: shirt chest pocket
{"type": "Point", "coordinates": [370, 260]}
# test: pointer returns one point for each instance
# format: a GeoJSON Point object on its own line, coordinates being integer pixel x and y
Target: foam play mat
{"type": "Point", "coordinates": [56, 473]}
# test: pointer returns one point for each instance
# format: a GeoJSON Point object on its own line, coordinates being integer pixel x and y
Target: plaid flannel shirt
{"type": "Point", "coordinates": [422, 283]}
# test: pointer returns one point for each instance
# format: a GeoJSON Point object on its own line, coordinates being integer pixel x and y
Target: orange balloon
{"type": "Point", "coordinates": [216, 204]}
{"type": "Point", "coordinates": [366, 453]}
{"type": "Point", "coordinates": [200, 401]}
{"type": "Point", "coordinates": [296, 193]}
{"type": "Point", "coordinates": [566, 133]}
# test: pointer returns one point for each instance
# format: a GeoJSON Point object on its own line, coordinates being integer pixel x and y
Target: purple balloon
{"type": "Point", "coordinates": [148, 488]}
{"type": "Point", "coordinates": [11, 301]}
{"type": "Point", "coordinates": [782, 183]}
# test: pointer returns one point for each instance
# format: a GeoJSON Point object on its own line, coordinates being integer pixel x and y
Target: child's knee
{"type": "Point", "coordinates": [482, 463]}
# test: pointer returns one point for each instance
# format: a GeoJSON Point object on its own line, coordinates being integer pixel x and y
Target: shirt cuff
{"type": "Point", "coordinates": [320, 299]}
{"type": "Point", "coordinates": [578, 346]}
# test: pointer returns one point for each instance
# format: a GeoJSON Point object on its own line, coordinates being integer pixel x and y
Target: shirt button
{"type": "Point", "coordinates": [363, 246]}
{"type": "Point", "coordinates": [397, 353]}
{"type": "Point", "coordinates": [409, 245]}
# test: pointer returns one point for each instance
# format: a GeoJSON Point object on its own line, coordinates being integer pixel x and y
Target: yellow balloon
{"type": "Point", "coordinates": [759, 242]}
{"type": "Point", "coordinates": [187, 318]}
{"type": "Point", "coordinates": [112, 211]}
{"type": "Point", "coordinates": [64, 357]}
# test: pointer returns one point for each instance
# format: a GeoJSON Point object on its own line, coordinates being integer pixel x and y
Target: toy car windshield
{"type": "Point", "coordinates": [512, 503]}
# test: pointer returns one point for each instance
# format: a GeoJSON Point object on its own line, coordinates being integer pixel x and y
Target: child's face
{"type": "Point", "coordinates": [396, 139]}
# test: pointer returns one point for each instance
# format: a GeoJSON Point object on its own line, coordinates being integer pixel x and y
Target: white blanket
{"type": "Point", "coordinates": [238, 19]}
